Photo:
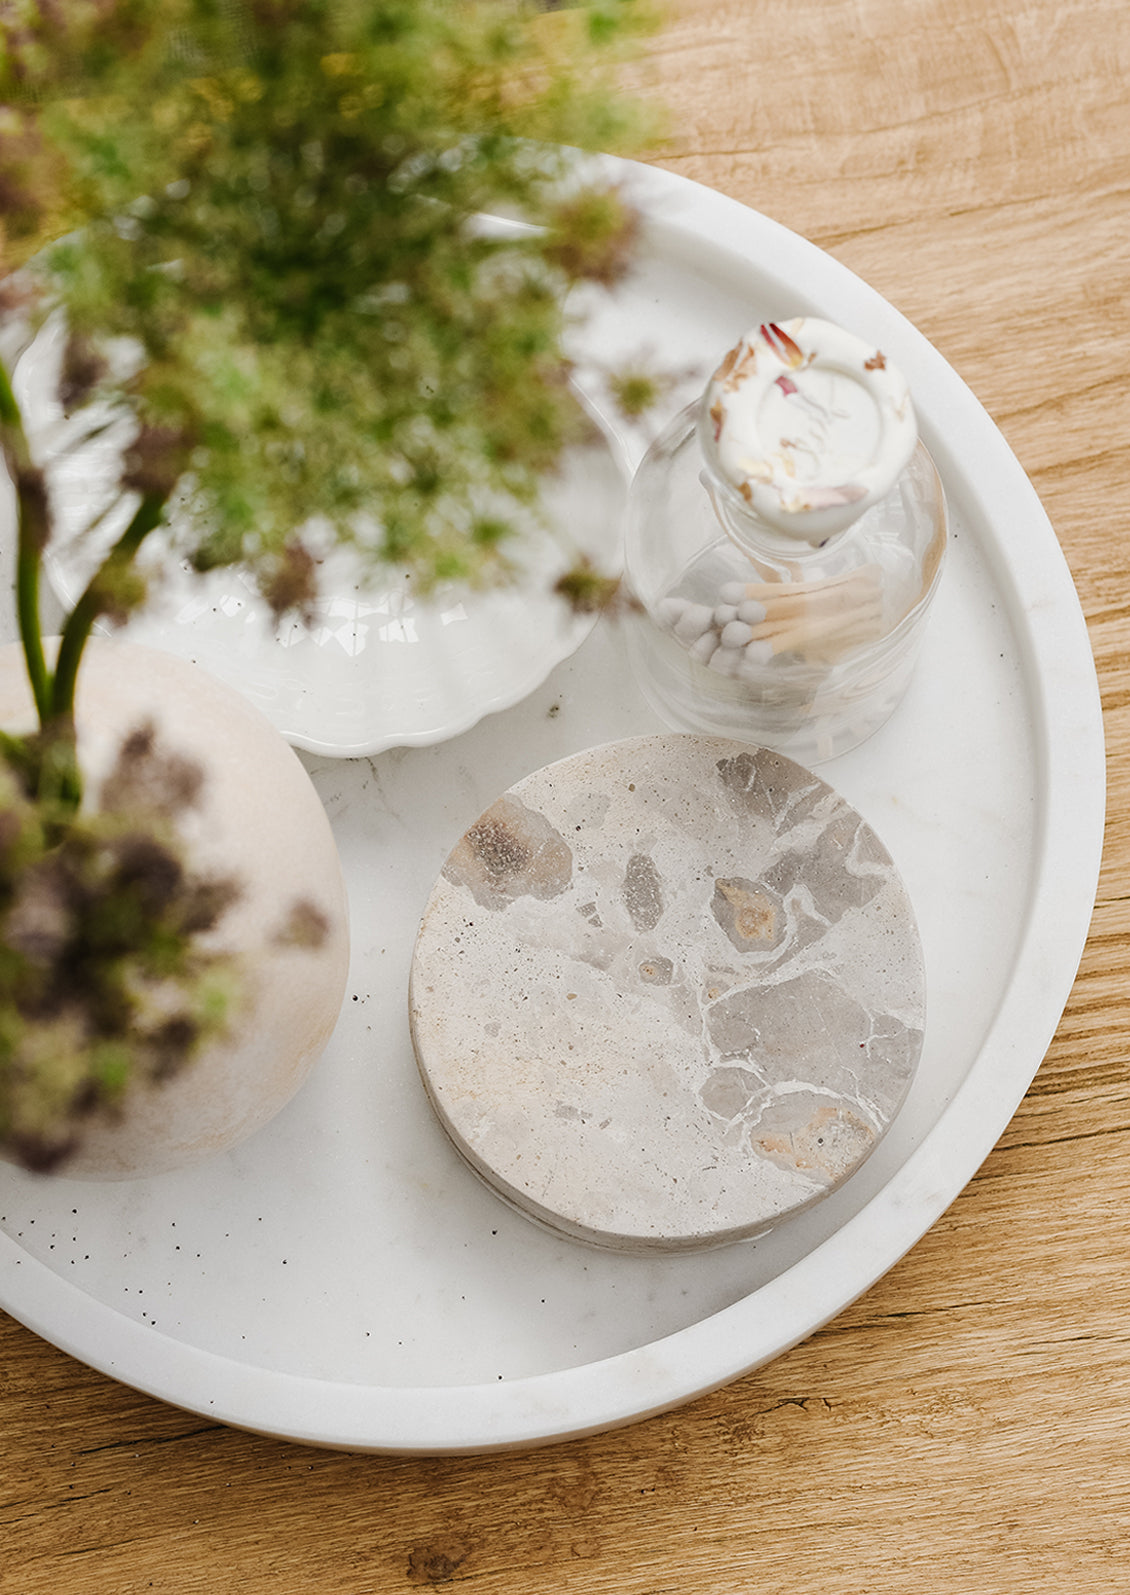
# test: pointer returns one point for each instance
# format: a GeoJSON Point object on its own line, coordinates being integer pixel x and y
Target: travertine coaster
{"type": "Point", "coordinates": [666, 992]}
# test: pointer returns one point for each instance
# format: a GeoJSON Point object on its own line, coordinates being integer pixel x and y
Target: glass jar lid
{"type": "Point", "coordinates": [811, 424]}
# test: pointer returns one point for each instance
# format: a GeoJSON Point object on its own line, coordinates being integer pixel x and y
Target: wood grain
{"type": "Point", "coordinates": [963, 1428]}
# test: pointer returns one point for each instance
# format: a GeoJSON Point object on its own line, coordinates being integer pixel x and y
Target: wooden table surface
{"type": "Point", "coordinates": [964, 1429]}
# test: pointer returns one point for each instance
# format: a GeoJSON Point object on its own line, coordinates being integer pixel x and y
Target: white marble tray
{"type": "Point", "coordinates": [343, 1279]}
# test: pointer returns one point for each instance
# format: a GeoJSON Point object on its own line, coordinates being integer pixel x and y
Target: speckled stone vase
{"type": "Point", "coordinates": [667, 992]}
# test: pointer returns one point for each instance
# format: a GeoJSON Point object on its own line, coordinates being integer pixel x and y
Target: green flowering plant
{"type": "Point", "coordinates": [106, 975]}
{"type": "Point", "coordinates": [277, 208]}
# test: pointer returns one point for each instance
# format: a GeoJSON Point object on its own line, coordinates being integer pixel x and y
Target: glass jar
{"type": "Point", "coordinates": [785, 538]}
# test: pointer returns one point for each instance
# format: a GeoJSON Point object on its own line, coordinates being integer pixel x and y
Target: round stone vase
{"type": "Point", "coordinates": [257, 818]}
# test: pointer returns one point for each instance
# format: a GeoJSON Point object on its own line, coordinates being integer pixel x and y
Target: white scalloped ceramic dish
{"type": "Point", "coordinates": [379, 667]}
{"type": "Point", "coordinates": [342, 1279]}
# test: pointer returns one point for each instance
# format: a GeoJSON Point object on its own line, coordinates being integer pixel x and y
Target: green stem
{"type": "Point", "coordinates": [92, 603]}
{"type": "Point", "coordinates": [60, 779]}
{"type": "Point", "coordinates": [18, 755]}
{"type": "Point", "coordinates": [33, 531]}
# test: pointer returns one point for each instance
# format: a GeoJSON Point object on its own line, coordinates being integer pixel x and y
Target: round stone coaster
{"type": "Point", "coordinates": [666, 992]}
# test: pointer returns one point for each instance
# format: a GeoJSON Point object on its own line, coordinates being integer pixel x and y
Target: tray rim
{"type": "Point", "coordinates": [1067, 737]}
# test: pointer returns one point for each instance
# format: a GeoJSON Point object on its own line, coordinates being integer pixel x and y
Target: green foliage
{"type": "Point", "coordinates": [278, 202]}
{"type": "Point", "coordinates": [104, 977]}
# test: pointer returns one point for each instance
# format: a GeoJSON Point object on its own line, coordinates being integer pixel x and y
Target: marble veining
{"type": "Point", "coordinates": [667, 991]}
